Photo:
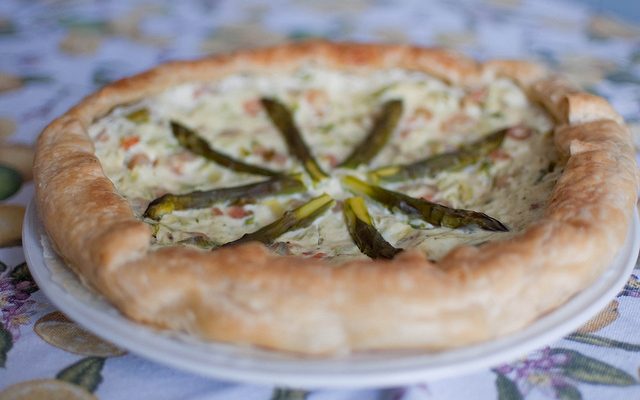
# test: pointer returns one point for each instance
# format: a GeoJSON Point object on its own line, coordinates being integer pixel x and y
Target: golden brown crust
{"type": "Point", "coordinates": [570, 105]}
{"type": "Point", "coordinates": [248, 295]}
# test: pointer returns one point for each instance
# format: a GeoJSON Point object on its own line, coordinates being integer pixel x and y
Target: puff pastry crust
{"type": "Point", "coordinates": [248, 295]}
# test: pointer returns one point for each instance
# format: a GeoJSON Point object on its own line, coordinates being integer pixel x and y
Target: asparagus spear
{"type": "Point", "coordinates": [296, 218]}
{"type": "Point", "coordinates": [140, 116]}
{"type": "Point", "coordinates": [200, 241]}
{"type": "Point", "coordinates": [433, 213]}
{"type": "Point", "coordinates": [201, 199]}
{"type": "Point", "coordinates": [377, 137]}
{"type": "Point", "coordinates": [194, 143]}
{"type": "Point", "coordinates": [466, 155]}
{"type": "Point", "coordinates": [282, 119]}
{"type": "Point", "coordinates": [363, 232]}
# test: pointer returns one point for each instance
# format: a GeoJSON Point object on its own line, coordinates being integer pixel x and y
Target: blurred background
{"type": "Point", "coordinates": [57, 51]}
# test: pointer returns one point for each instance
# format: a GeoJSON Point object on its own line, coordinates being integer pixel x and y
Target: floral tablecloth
{"type": "Point", "coordinates": [54, 52]}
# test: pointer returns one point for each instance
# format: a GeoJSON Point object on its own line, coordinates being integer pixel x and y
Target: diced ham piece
{"type": "Point", "coordinates": [313, 254]}
{"type": "Point", "coordinates": [201, 91]}
{"type": "Point", "coordinates": [238, 212]}
{"type": "Point", "coordinates": [138, 160]}
{"type": "Point", "coordinates": [270, 155]}
{"type": "Point", "coordinates": [103, 136]}
{"type": "Point", "coordinates": [473, 97]}
{"type": "Point", "coordinates": [458, 122]}
{"type": "Point", "coordinates": [519, 132]}
{"type": "Point", "coordinates": [318, 100]}
{"type": "Point", "coordinates": [177, 161]}
{"type": "Point", "coordinates": [499, 154]}
{"type": "Point", "coordinates": [316, 97]}
{"type": "Point", "coordinates": [332, 160]}
{"type": "Point", "coordinates": [252, 107]}
{"type": "Point", "coordinates": [420, 117]}
{"type": "Point", "coordinates": [421, 113]}
{"type": "Point", "coordinates": [129, 141]}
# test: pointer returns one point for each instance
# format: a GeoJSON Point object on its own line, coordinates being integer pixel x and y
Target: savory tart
{"type": "Point", "coordinates": [324, 198]}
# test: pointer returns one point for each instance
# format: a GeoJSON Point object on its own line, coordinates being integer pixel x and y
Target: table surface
{"type": "Point", "coordinates": [55, 52]}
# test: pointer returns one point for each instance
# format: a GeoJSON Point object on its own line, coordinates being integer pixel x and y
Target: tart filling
{"type": "Point", "coordinates": [333, 110]}
{"type": "Point", "coordinates": [299, 115]}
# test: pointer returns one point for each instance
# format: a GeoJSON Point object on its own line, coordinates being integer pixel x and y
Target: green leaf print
{"type": "Point", "coordinates": [589, 370]}
{"type": "Point", "coordinates": [21, 275]}
{"type": "Point", "coordinates": [289, 394]}
{"type": "Point", "coordinates": [6, 342]}
{"type": "Point", "coordinates": [87, 25]}
{"type": "Point", "coordinates": [568, 392]}
{"type": "Point", "coordinates": [107, 72]}
{"type": "Point", "coordinates": [37, 79]}
{"type": "Point", "coordinates": [10, 182]}
{"type": "Point", "coordinates": [301, 34]}
{"type": "Point", "coordinates": [84, 373]}
{"type": "Point", "coordinates": [602, 341]}
{"type": "Point", "coordinates": [7, 27]}
{"type": "Point", "coordinates": [623, 76]}
{"type": "Point", "coordinates": [507, 389]}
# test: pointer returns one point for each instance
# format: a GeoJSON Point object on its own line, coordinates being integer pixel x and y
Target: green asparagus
{"type": "Point", "coordinates": [377, 137]}
{"type": "Point", "coordinates": [139, 116]}
{"type": "Point", "coordinates": [194, 143]}
{"type": "Point", "coordinates": [296, 218]}
{"type": "Point", "coordinates": [201, 199]}
{"type": "Point", "coordinates": [363, 232]}
{"type": "Point", "coordinates": [283, 120]}
{"type": "Point", "coordinates": [433, 213]}
{"type": "Point", "coordinates": [466, 155]}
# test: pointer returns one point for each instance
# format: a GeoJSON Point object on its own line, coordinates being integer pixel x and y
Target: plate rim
{"type": "Point", "coordinates": [222, 361]}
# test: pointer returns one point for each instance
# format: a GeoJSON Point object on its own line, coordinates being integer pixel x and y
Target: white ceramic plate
{"type": "Point", "coordinates": [376, 369]}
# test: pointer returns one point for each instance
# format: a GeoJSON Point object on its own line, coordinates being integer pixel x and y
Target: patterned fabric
{"type": "Point", "coordinates": [55, 52]}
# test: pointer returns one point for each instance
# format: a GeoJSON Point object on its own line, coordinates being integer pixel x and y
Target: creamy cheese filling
{"type": "Point", "coordinates": [334, 110]}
